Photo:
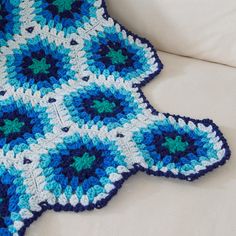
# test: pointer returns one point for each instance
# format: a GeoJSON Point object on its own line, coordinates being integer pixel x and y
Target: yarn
{"type": "Point", "coordinates": [175, 145]}
{"type": "Point", "coordinates": [74, 123]}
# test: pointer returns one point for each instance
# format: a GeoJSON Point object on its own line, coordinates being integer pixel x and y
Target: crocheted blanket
{"type": "Point", "coordinates": [74, 123]}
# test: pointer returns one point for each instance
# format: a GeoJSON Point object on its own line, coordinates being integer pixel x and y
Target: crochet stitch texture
{"type": "Point", "coordinates": [74, 123]}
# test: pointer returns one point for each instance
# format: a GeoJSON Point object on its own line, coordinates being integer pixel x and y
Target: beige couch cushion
{"type": "Point", "coordinates": [204, 29]}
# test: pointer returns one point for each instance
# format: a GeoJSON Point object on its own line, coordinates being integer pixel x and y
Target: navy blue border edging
{"type": "Point", "coordinates": [102, 203]}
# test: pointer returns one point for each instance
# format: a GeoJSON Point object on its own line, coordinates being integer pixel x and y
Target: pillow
{"type": "Point", "coordinates": [197, 28]}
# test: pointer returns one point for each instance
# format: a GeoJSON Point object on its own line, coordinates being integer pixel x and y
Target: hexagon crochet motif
{"type": "Point", "coordinates": [74, 123]}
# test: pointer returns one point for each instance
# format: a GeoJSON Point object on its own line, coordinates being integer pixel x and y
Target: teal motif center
{"type": "Point", "coordinates": [40, 66]}
{"type": "Point", "coordinates": [11, 126]}
{"type": "Point", "coordinates": [117, 57]}
{"type": "Point", "coordinates": [103, 106]}
{"type": "Point", "coordinates": [175, 145]}
{"type": "Point", "coordinates": [84, 162]}
{"type": "Point", "coordinates": [63, 5]}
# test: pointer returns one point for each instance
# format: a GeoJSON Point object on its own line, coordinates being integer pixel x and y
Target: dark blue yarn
{"type": "Point", "coordinates": [66, 18]}
{"type": "Point", "coordinates": [7, 24]}
{"type": "Point", "coordinates": [99, 50]}
{"type": "Point", "coordinates": [65, 174]}
{"type": "Point", "coordinates": [3, 21]}
{"type": "Point", "coordinates": [32, 125]}
{"type": "Point", "coordinates": [154, 139]}
{"type": "Point", "coordinates": [30, 29]}
{"type": "Point", "coordinates": [83, 105]}
{"type": "Point", "coordinates": [3, 92]}
{"type": "Point", "coordinates": [9, 202]}
{"type": "Point", "coordinates": [52, 100]}
{"type": "Point", "coordinates": [59, 70]}
{"type": "Point", "coordinates": [73, 42]}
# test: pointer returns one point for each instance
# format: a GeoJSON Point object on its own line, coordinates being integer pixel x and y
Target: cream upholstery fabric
{"type": "Point", "coordinates": [204, 29]}
{"type": "Point", "coordinates": [152, 206]}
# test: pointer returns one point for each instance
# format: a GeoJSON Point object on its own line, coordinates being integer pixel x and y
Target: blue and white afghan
{"type": "Point", "coordinates": [74, 123]}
